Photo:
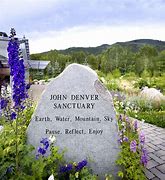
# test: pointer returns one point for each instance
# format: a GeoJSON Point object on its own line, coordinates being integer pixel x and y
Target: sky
{"type": "Point", "coordinates": [60, 24]}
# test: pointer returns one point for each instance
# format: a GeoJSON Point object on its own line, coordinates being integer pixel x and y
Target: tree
{"type": "Point", "coordinates": [93, 61]}
{"type": "Point", "coordinates": [78, 57]}
{"type": "Point", "coordinates": [160, 62]}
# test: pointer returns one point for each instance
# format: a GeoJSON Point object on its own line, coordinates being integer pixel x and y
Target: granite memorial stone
{"type": "Point", "coordinates": [79, 111]}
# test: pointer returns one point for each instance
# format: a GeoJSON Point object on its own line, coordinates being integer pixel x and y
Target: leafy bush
{"type": "Point", "coordinates": [144, 104]}
{"type": "Point", "coordinates": [31, 166]}
{"type": "Point", "coordinates": [113, 85]}
{"type": "Point", "coordinates": [141, 83]}
{"type": "Point", "coordinates": [158, 83]}
{"type": "Point", "coordinates": [145, 74]}
{"type": "Point", "coordinates": [116, 73]}
{"type": "Point", "coordinates": [141, 109]}
{"type": "Point", "coordinates": [133, 155]}
{"type": "Point", "coordinates": [130, 76]}
{"type": "Point", "coordinates": [153, 117]}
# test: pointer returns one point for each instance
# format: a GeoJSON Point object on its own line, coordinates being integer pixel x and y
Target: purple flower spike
{"type": "Point", "coordinates": [133, 146]}
{"type": "Point", "coordinates": [125, 139]}
{"type": "Point", "coordinates": [135, 125]}
{"type": "Point", "coordinates": [127, 119]}
{"type": "Point", "coordinates": [3, 103]}
{"type": "Point", "coordinates": [81, 165]}
{"type": "Point", "coordinates": [28, 86]}
{"type": "Point", "coordinates": [41, 151]}
{"type": "Point", "coordinates": [66, 168]}
{"type": "Point", "coordinates": [144, 157]}
{"type": "Point", "coordinates": [45, 142]}
{"type": "Point", "coordinates": [142, 138]}
{"type": "Point", "coordinates": [13, 115]}
{"type": "Point", "coordinates": [17, 71]}
{"type": "Point", "coordinates": [120, 140]}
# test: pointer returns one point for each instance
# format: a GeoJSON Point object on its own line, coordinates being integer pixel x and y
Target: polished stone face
{"type": "Point", "coordinates": [78, 110]}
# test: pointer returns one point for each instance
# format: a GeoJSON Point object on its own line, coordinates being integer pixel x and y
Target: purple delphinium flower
{"type": "Point", "coordinates": [120, 140]}
{"type": "Point", "coordinates": [143, 159]}
{"type": "Point", "coordinates": [135, 125]}
{"type": "Point", "coordinates": [13, 115]}
{"type": "Point", "coordinates": [133, 146]}
{"type": "Point", "coordinates": [45, 142]}
{"type": "Point", "coordinates": [66, 168]}
{"type": "Point", "coordinates": [3, 103]}
{"type": "Point", "coordinates": [28, 86]}
{"type": "Point", "coordinates": [127, 119]}
{"type": "Point", "coordinates": [81, 164]}
{"type": "Point", "coordinates": [142, 138]}
{"type": "Point", "coordinates": [17, 71]}
{"type": "Point", "coordinates": [125, 139]}
{"type": "Point", "coordinates": [42, 150]}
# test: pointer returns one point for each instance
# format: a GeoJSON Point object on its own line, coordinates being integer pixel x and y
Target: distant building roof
{"type": "Point", "coordinates": [24, 46]}
{"type": "Point", "coordinates": [34, 64]}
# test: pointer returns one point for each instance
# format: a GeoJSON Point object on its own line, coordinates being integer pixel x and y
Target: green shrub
{"type": "Point", "coordinates": [145, 74]}
{"type": "Point", "coordinates": [116, 73]}
{"type": "Point", "coordinates": [153, 117]}
{"type": "Point", "coordinates": [130, 76]}
{"type": "Point", "coordinates": [100, 73]}
{"type": "Point", "coordinates": [30, 166]}
{"type": "Point", "coordinates": [141, 83]}
{"type": "Point", "coordinates": [130, 160]}
{"type": "Point", "coordinates": [113, 85]}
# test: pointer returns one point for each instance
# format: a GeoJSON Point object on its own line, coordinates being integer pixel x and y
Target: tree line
{"type": "Point", "coordinates": [117, 57]}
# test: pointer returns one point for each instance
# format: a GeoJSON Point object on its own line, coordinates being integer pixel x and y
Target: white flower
{"type": "Point", "coordinates": [143, 120]}
{"type": "Point", "coordinates": [127, 108]}
{"type": "Point", "coordinates": [51, 177]}
{"type": "Point", "coordinates": [128, 103]}
{"type": "Point", "coordinates": [52, 139]}
{"type": "Point", "coordinates": [121, 103]}
{"type": "Point", "coordinates": [123, 123]}
{"type": "Point", "coordinates": [135, 111]}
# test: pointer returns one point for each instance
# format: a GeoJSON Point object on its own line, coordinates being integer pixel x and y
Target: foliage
{"type": "Point", "coordinates": [76, 171]}
{"type": "Point", "coordinates": [146, 61]}
{"type": "Point", "coordinates": [116, 73]}
{"type": "Point", "coordinates": [141, 83]}
{"type": "Point", "coordinates": [140, 109]}
{"type": "Point", "coordinates": [131, 157]}
{"type": "Point", "coordinates": [153, 117]}
{"type": "Point", "coordinates": [17, 159]}
{"type": "Point", "coordinates": [130, 76]}
{"type": "Point", "coordinates": [158, 82]}
{"type": "Point", "coordinates": [113, 85]}
{"type": "Point", "coordinates": [29, 165]}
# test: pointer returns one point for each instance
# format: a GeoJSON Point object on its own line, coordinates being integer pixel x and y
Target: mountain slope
{"type": "Point", "coordinates": [136, 44]}
{"type": "Point", "coordinates": [88, 50]}
{"type": "Point", "coordinates": [133, 45]}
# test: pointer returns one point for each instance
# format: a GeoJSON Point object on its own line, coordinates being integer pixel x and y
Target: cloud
{"type": "Point", "coordinates": [86, 36]}
{"type": "Point", "coordinates": [31, 15]}
{"type": "Point", "coordinates": [24, 15]}
{"type": "Point", "coordinates": [64, 23]}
